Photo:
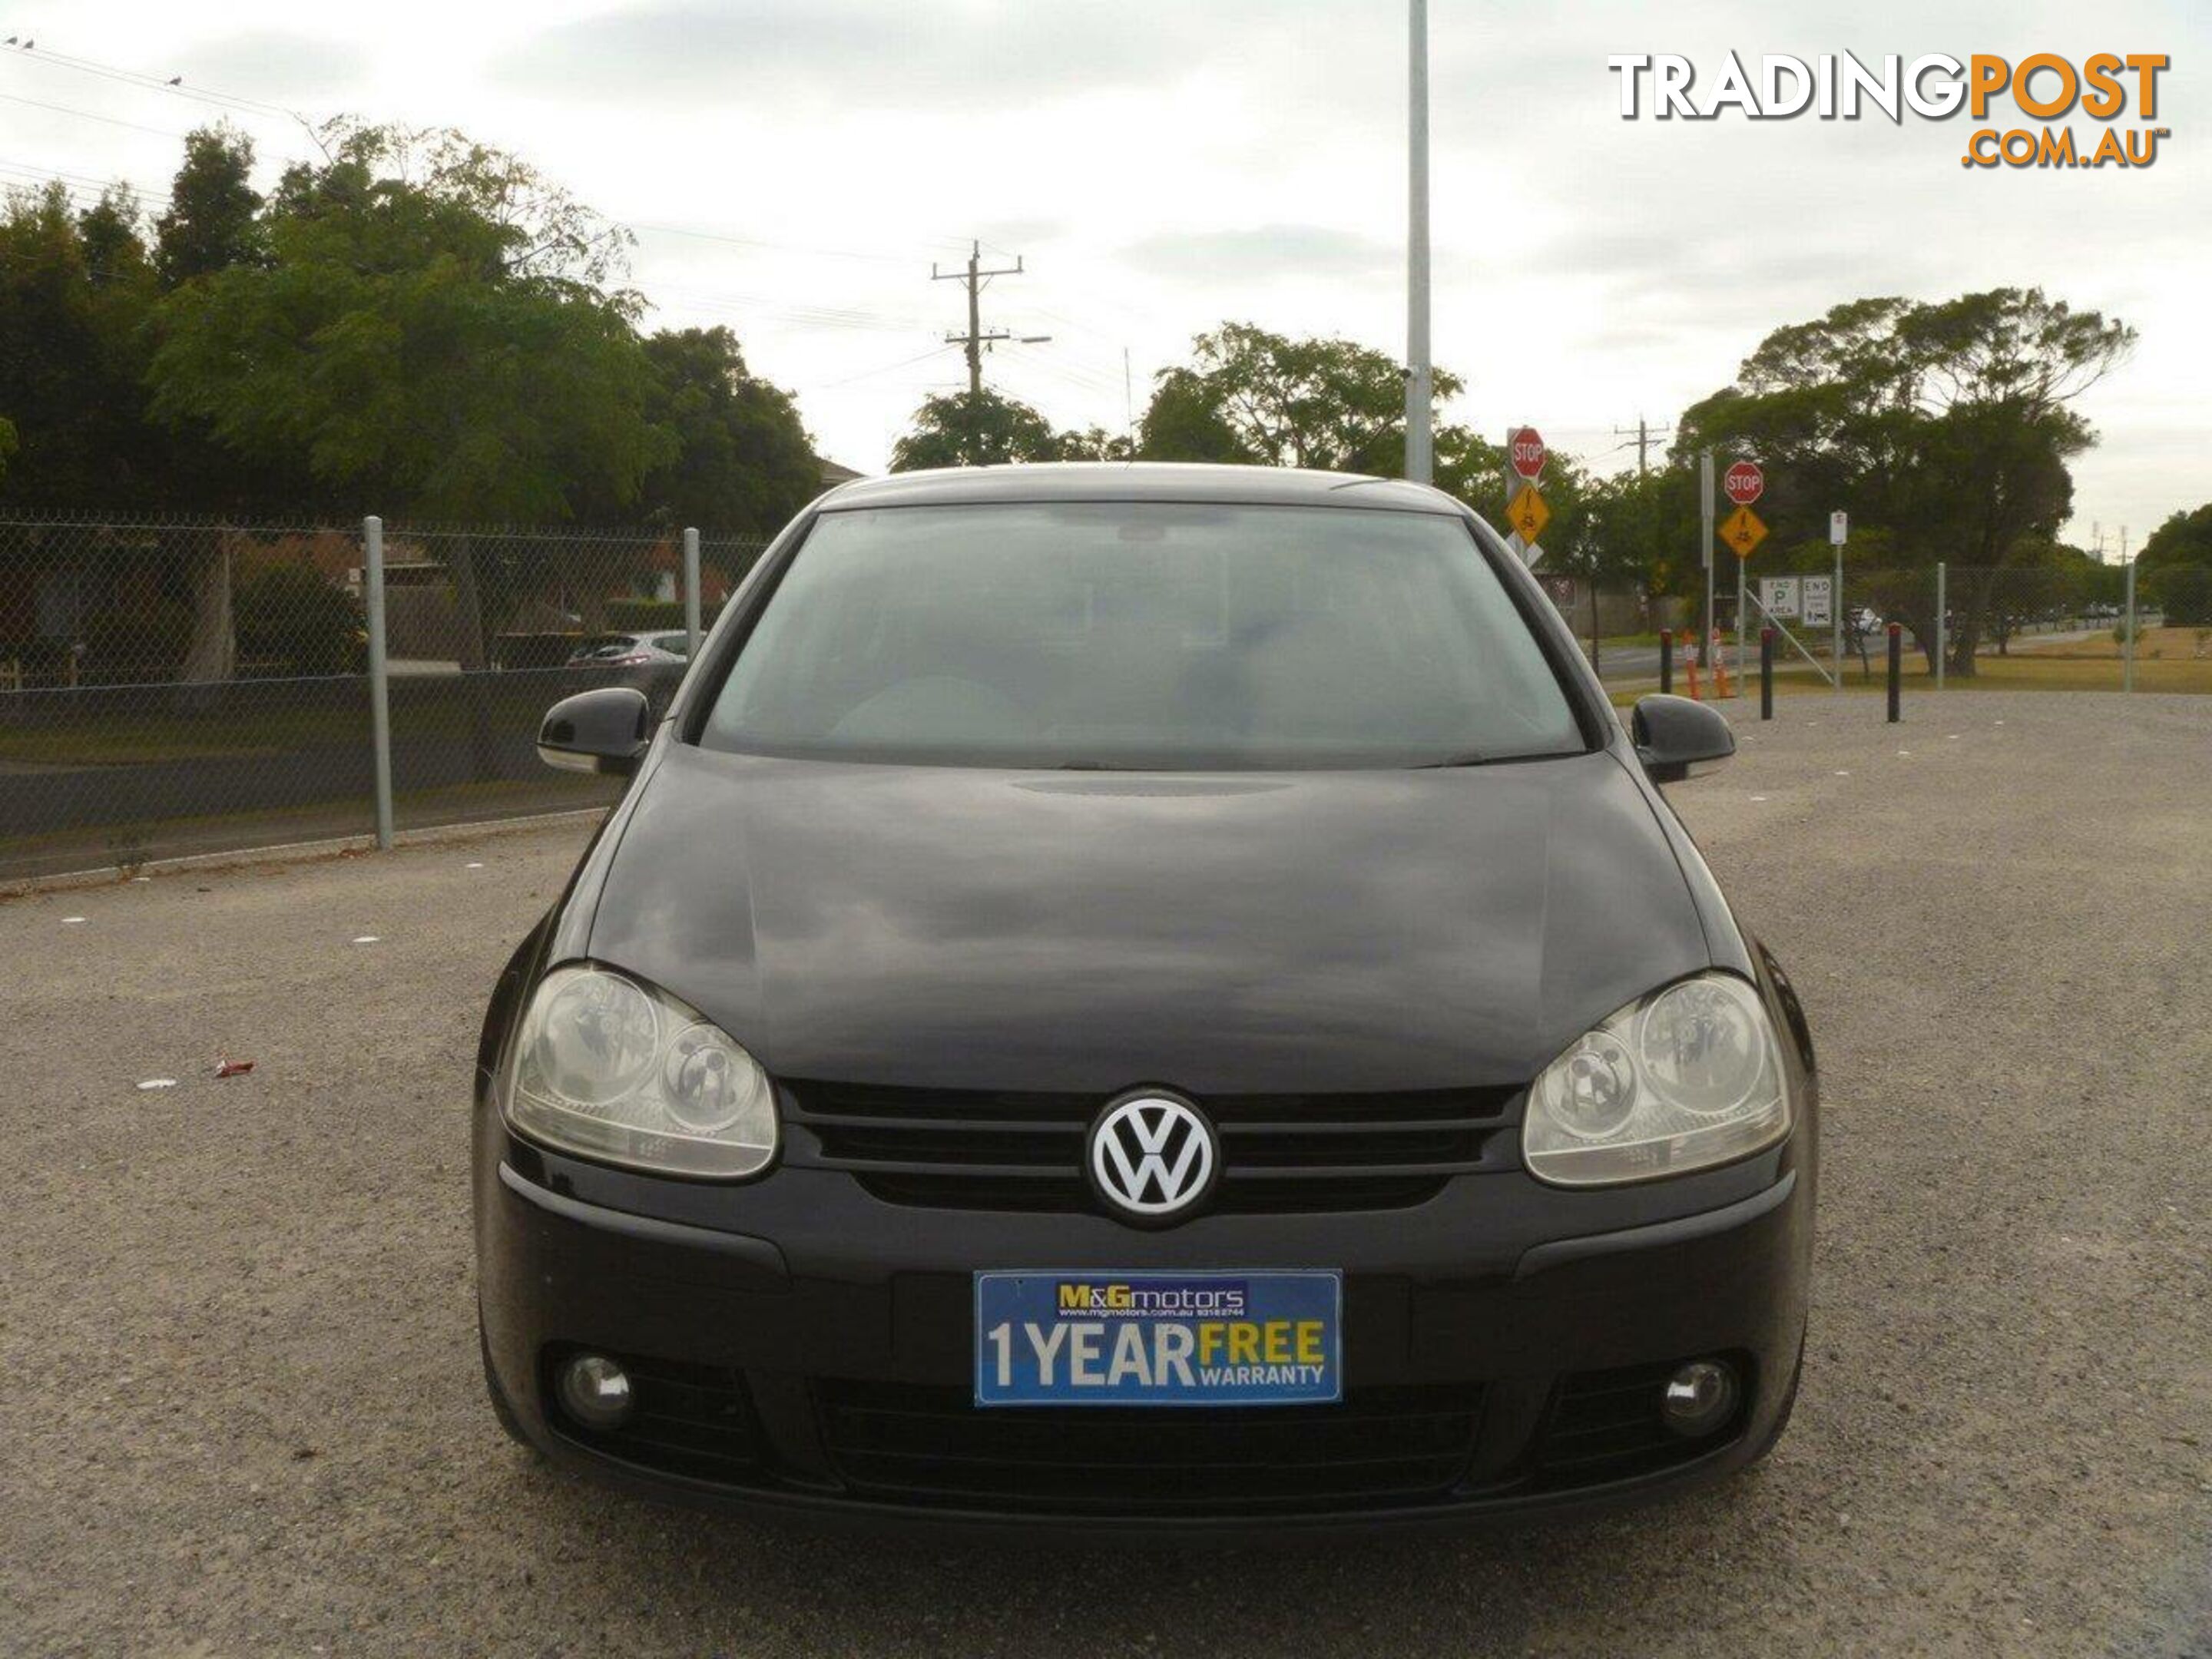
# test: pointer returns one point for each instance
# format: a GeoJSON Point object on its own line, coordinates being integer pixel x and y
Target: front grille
{"type": "Point", "coordinates": [1379, 1449]}
{"type": "Point", "coordinates": [1606, 1425]}
{"type": "Point", "coordinates": [958, 1149]}
{"type": "Point", "coordinates": [694, 1420]}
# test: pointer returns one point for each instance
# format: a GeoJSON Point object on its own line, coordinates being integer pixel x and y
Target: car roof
{"type": "Point", "coordinates": [1138, 481]}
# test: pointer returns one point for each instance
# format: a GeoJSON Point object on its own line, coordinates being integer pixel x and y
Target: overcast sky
{"type": "Point", "coordinates": [1162, 165]}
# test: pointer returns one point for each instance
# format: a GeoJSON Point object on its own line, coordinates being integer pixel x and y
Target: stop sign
{"type": "Point", "coordinates": [1743, 483]}
{"type": "Point", "coordinates": [1526, 451]}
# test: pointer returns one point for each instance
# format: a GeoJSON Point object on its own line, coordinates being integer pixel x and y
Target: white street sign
{"type": "Point", "coordinates": [1839, 528]}
{"type": "Point", "coordinates": [1778, 594]}
{"type": "Point", "coordinates": [1819, 597]}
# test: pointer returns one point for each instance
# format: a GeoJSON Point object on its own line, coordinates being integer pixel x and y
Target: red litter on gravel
{"type": "Point", "coordinates": [233, 1067]}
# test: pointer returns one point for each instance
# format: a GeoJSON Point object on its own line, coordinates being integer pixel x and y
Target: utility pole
{"type": "Point", "coordinates": [974, 339]}
{"type": "Point", "coordinates": [1420, 463]}
{"type": "Point", "coordinates": [1644, 434]}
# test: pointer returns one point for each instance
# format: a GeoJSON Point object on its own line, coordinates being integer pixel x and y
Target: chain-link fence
{"type": "Point", "coordinates": [172, 688]}
{"type": "Point", "coordinates": [1964, 627]}
{"type": "Point", "coordinates": [2010, 627]}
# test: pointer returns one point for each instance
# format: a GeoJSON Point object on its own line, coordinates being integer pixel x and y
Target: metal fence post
{"type": "Point", "coordinates": [1836, 622]}
{"type": "Point", "coordinates": [1896, 663]}
{"type": "Point", "coordinates": [1741, 623]}
{"type": "Point", "coordinates": [380, 705]}
{"type": "Point", "coordinates": [691, 588]}
{"type": "Point", "coordinates": [2128, 651]}
{"type": "Point", "coordinates": [1943, 625]}
{"type": "Point", "coordinates": [1667, 660]}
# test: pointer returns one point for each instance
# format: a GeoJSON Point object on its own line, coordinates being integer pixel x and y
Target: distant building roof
{"type": "Point", "coordinates": [833, 474]}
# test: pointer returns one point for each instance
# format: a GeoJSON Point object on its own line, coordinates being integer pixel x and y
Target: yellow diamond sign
{"type": "Point", "coordinates": [1528, 513]}
{"type": "Point", "coordinates": [1742, 531]}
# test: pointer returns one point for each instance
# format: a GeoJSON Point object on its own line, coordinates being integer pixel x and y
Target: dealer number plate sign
{"type": "Point", "coordinates": [1158, 1339]}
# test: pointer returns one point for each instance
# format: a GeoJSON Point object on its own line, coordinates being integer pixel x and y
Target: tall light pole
{"type": "Point", "coordinates": [1705, 552]}
{"type": "Point", "coordinates": [1420, 465]}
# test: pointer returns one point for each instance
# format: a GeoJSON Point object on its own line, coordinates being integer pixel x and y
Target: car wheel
{"type": "Point", "coordinates": [500, 1407]}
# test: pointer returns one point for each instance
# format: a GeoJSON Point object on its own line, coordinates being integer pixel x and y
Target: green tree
{"type": "Point", "coordinates": [213, 219]}
{"type": "Point", "coordinates": [70, 356]}
{"type": "Point", "coordinates": [2183, 538]}
{"type": "Point", "coordinates": [291, 617]}
{"type": "Point", "coordinates": [115, 260]}
{"type": "Point", "coordinates": [1947, 424]}
{"type": "Point", "coordinates": [1264, 398]}
{"type": "Point", "coordinates": [1647, 528]}
{"type": "Point", "coordinates": [1184, 423]}
{"type": "Point", "coordinates": [742, 459]}
{"type": "Point", "coordinates": [78, 309]}
{"type": "Point", "coordinates": [429, 333]}
{"type": "Point", "coordinates": [1095, 443]}
{"type": "Point", "coordinates": [2184, 593]}
{"type": "Point", "coordinates": [1466, 465]}
{"type": "Point", "coordinates": [974, 430]}
{"type": "Point", "coordinates": [2174, 568]}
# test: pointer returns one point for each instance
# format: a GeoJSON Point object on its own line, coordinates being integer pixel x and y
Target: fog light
{"type": "Point", "coordinates": [595, 1391]}
{"type": "Point", "coordinates": [1699, 1397]}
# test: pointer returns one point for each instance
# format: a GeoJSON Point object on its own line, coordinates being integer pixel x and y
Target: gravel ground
{"type": "Point", "coordinates": [241, 1407]}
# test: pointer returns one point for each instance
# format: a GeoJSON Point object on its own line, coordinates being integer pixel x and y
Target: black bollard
{"type": "Point", "coordinates": [1896, 666]}
{"type": "Point", "coordinates": [1767, 673]}
{"type": "Point", "coordinates": [1666, 660]}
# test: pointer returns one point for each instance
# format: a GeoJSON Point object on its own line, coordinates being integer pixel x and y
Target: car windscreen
{"type": "Point", "coordinates": [1144, 635]}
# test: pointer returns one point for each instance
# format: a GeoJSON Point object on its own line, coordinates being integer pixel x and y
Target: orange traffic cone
{"type": "Point", "coordinates": [1691, 664]}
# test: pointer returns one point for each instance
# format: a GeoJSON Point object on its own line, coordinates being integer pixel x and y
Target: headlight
{"type": "Point", "coordinates": [617, 1070]}
{"type": "Point", "coordinates": [1688, 1076]}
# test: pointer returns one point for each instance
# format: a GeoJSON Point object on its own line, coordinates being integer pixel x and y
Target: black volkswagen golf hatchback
{"type": "Point", "coordinates": [1149, 999]}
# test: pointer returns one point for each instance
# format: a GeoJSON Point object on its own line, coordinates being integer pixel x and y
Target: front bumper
{"type": "Point", "coordinates": [1503, 1347]}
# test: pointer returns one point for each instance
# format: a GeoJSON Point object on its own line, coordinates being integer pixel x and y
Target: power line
{"type": "Point", "coordinates": [820, 316]}
{"type": "Point", "coordinates": [886, 368]}
{"type": "Point", "coordinates": [261, 106]}
{"type": "Point", "coordinates": [92, 115]}
{"type": "Point", "coordinates": [774, 247]}
{"type": "Point", "coordinates": [744, 306]}
{"type": "Point", "coordinates": [85, 190]}
{"type": "Point", "coordinates": [230, 103]}
{"type": "Point", "coordinates": [84, 183]}
{"type": "Point", "coordinates": [1083, 378]}
{"type": "Point", "coordinates": [156, 82]}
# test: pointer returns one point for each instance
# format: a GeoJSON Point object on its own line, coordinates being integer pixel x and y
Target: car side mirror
{"type": "Point", "coordinates": [606, 730]}
{"type": "Point", "coordinates": [1674, 737]}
